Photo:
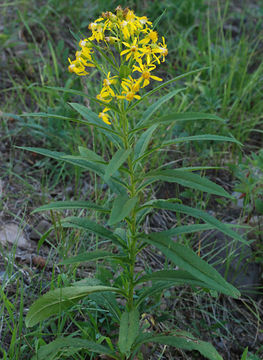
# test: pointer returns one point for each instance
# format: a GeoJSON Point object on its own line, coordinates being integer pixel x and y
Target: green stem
{"type": "Point", "coordinates": [132, 220]}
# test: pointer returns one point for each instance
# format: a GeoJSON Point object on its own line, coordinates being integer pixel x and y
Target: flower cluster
{"type": "Point", "coordinates": [138, 48]}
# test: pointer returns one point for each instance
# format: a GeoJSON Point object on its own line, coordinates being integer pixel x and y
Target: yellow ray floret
{"type": "Point", "coordinates": [105, 117]}
{"type": "Point", "coordinates": [130, 88]}
{"type": "Point", "coordinates": [110, 80]}
{"type": "Point", "coordinates": [161, 49]}
{"type": "Point", "coordinates": [133, 50]}
{"type": "Point", "coordinates": [77, 67]}
{"type": "Point", "coordinates": [145, 70]}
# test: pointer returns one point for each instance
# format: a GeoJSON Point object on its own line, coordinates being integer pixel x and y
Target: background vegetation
{"type": "Point", "coordinates": [36, 39]}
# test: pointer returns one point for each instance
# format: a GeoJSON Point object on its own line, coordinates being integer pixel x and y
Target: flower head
{"type": "Point", "coordinates": [125, 35]}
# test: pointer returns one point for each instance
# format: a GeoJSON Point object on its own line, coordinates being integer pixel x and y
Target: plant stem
{"type": "Point", "coordinates": [132, 222]}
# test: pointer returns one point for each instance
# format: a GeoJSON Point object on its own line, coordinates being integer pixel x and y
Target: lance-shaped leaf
{"type": "Point", "coordinates": [110, 133]}
{"type": "Point", "coordinates": [93, 118]}
{"type": "Point", "coordinates": [200, 214]}
{"type": "Point", "coordinates": [186, 259]}
{"type": "Point", "coordinates": [156, 105]}
{"type": "Point", "coordinates": [178, 117]}
{"type": "Point", "coordinates": [143, 142]}
{"type": "Point", "coordinates": [206, 137]}
{"type": "Point", "coordinates": [70, 346]}
{"type": "Point", "coordinates": [78, 93]}
{"type": "Point", "coordinates": [115, 163]}
{"type": "Point", "coordinates": [66, 205]}
{"type": "Point", "coordinates": [85, 223]}
{"type": "Point", "coordinates": [188, 116]}
{"type": "Point", "coordinates": [114, 183]}
{"type": "Point", "coordinates": [188, 179]}
{"type": "Point", "coordinates": [181, 340]}
{"type": "Point", "coordinates": [159, 87]}
{"type": "Point", "coordinates": [122, 207]}
{"type": "Point", "coordinates": [55, 301]}
{"type": "Point", "coordinates": [129, 329]}
{"type": "Point", "coordinates": [149, 291]}
{"type": "Point", "coordinates": [185, 139]}
{"type": "Point", "coordinates": [91, 256]}
{"type": "Point", "coordinates": [184, 229]}
{"type": "Point", "coordinates": [178, 277]}
{"type": "Point", "coordinates": [90, 154]}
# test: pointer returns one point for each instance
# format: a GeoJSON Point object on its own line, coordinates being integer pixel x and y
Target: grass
{"type": "Point", "coordinates": [35, 42]}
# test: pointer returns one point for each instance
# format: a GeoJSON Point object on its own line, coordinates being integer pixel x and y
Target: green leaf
{"type": "Point", "coordinates": [51, 350]}
{"type": "Point", "coordinates": [114, 183]}
{"type": "Point", "coordinates": [124, 71]}
{"type": "Point", "coordinates": [122, 206]}
{"type": "Point", "coordinates": [200, 214]}
{"type": "Point", "coordinates": [55, 301]}
{"type": "Point", "coordinates": [157, 88]}
{"type": "Point", "coordinates": [156, 105]}
{"type": "Point", "coordinates": [84, 122]}
{"type": "Point", "coordinates": [66, 205]}
{"type": "Point", "coordinates": [94, 119]}
{"type": "Point", "coordinates": [183, 340]}
{"type": "Point", "coordinates": [177, 277]}
{"type": "Point", "coordinates": [188, 179]}
{"type": "Point", "coordinates": [143, 142]}
{"type": "Point", "coordinates": [78, 93]}
{"type": "Point", "coordinates": [129, 329]}
{"type": "Point", "coordinates": [206, 137]}
{"type": "Point", "coordinates": [244, 355]}
{"type": "Point", "coordinates": [190, 138]}
{"type": "Point", "coordinates": [86, 224]}
{"type": "Point", "coordinates": [184, 229]}
{"type": "Point", "coordinates": [89, 154]}
{"type": "Point", "coordinates": [150, 291]}
{"type": "Point", "coordinates": [188, 116]}
{"type": "Point", "coordinates": [105, 299]}
{"type": "Point", "coordinates": [115, 163]}
{"type": "Point", "coordinates": [186, 259]}
{"type": "Point", "coordinates": [88, 256]}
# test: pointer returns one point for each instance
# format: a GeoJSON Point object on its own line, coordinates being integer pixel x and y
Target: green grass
{"type": "Point", "coordinates": [35, 42]}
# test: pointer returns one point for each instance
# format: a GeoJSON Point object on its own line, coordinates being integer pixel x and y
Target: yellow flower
{"type": "Point", "coordinates": [151, 36]}
{"type": "Point", "coordinates": [145, 70]}
{"type": "Point", "coordinates": [104, 95]}
{"type": "Point", "coordinates": [133, 50]}
{"type": "Point", "coordinates": [105, 117]}
{"type": "Point", "coordinates": [108, 82]}
{"type": "Point", "coordinates": [144, 20]}
{"type": "Point", "coordinates": [125, 29]}
{"type": "Point", "coordinates": [149, 54]}
{"type": "Point", "coordinates": [77, 67]}
{"type": "Point", "coordinates": [130, 15]}
{"type": "Point", "coordinates": [130, 87]}
{"type": "Point", "coordinates": [161, 49]}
